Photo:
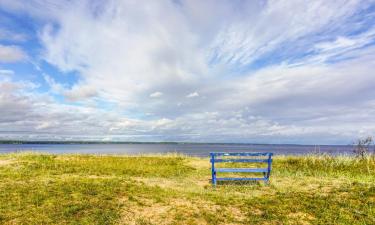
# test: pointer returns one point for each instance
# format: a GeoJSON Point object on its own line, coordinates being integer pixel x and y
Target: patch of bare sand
{"type": "Point", "coordinates": [178, 211]}
{"type": "Point", "coordinates": [5, 162]}
{"type": "Point", "coordinates": [199, 163]}
{"type": "Point", "coordinates": [186, 184]}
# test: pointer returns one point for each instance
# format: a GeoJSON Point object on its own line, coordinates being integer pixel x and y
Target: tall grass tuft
{"type": "Point", "coordinates": [325, 165]}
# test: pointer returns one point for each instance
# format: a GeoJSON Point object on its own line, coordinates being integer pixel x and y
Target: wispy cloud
{"type": "Point", "coordinates": [7, 35]}
{"type": "Point", "coordinates": [11, 53]}
{"type": "Point", "coordinates": [6, 72]}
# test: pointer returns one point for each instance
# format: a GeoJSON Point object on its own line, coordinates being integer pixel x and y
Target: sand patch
{"type": "Point", "coordinates": [199, 163]}
{"type": "Point", "coordinates": [5, 162]}
{"type": "Point", "coordinates": [183, 184]}
{"type": "Point", "coordinates": [178, 211]}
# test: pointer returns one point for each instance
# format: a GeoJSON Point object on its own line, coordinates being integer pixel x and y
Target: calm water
{"type": "Point", "coordinates": [188, 149]}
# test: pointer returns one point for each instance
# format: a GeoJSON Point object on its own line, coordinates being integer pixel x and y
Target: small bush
{"type": "Point", "coordinates": [362, 147]}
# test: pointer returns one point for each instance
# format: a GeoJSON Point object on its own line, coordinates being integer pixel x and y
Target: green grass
{"type": "Point", "coordinates": [174, 189]}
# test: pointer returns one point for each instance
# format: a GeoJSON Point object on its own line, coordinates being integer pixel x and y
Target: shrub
{"type": "Point", "coordinates": [362, 146]}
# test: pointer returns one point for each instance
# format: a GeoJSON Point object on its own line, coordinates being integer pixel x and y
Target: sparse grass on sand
{"type": "Point", "coordinates": [174, 189]}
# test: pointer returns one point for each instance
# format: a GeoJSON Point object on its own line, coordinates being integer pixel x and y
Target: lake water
{"type": "Point", "coordinates": [200, 150]}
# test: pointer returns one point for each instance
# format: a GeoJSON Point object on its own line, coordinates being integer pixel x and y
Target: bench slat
{"type": "Point", "coordinates": [241, 160]}
{"type": "Point", "coordinates": [242, 170]}
{"type": "Point", "coordinates": [241, 153]}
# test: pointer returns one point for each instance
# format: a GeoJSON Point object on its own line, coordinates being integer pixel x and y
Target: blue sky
{"type": "Point", "coordinates": [200, 71]}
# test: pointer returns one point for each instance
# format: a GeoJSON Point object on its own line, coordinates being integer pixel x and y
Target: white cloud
{"type": "Point", "coordinates": [80, 92]}
{"type": "Point", "coordinates": [76, 93]}
{"type": "Point", "coordinates": [145, 47]}
{"type": "Point", "coordinates": [192, 95]}
{"type": "Point", "coordinates": [11, 53]}
{"type": "Point", "coordinates": [156, 94]}
{"type": "Point", "coordinates": [54, 86]}
{"type": "Point", "coordinates": [6, 72]}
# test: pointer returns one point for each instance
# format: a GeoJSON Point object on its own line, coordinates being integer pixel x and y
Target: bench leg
{"type": "Point", "coordinates": [213, 171]}
{"type": "Point", "coordinates": [214, 178]}
{"type": "Point", "coordinates": [266, 178]}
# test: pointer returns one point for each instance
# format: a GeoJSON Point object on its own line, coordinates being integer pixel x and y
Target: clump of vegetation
{"type": "Point", "coordinates": [362, 146]}
{"type": "Point", "coordinates": [175, 189]}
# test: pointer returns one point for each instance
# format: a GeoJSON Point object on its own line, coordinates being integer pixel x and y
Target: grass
{"type": "Point", "coordinates": [175, 189]}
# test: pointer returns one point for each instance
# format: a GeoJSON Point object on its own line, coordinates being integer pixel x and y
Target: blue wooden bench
{"type": "Point", "coordinates": [241, 157]}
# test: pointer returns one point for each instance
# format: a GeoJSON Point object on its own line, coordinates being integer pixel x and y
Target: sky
{"type": "Point", "coordinates": [275, 72]}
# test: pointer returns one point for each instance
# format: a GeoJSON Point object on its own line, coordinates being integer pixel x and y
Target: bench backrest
{"type": "Point", "coordinates": [264, 157]}
{"type": "Point", "coordinates": [245, 157]}
{"type": "Point", "coordinates": [242, 157]}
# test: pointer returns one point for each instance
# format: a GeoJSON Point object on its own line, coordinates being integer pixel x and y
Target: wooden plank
{"type": "Point", "coordinates": [242, 170]}
{"type": "Point", "coordinates": [241, 160]}
{"type": "Point", "coordinates": [240, 178]}
{"type": "Point", "coordinates": [241, 153]}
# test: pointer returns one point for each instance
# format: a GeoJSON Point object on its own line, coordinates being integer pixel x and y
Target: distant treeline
{"type": "Point", "coordinates": [140, 142]}
{"type": "Point", "coordinates": [81, 142]}
{"type": "Point", "coordinates": [112, 142]}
